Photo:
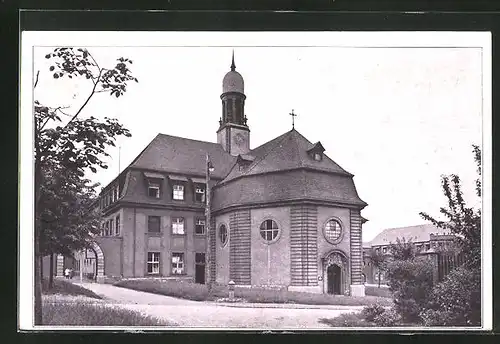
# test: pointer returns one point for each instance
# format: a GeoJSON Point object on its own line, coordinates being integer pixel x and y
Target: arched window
{"type": "Point", "coordinates": [223, 235]}
{"type": "Point", "coordinates": [333, 231]}
{"type": "Point", "coordinates": [269, 230]}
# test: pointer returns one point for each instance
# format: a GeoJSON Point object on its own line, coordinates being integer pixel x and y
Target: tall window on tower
{"type": "Point", "coordinates": [178, 192]}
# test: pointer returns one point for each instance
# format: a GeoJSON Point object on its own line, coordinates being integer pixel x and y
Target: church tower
{"type": "Point", "coordinates": [233, 133]}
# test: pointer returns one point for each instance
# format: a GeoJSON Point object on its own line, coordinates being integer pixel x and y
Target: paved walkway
{"type": "Point", "coordinates": [195, 314]}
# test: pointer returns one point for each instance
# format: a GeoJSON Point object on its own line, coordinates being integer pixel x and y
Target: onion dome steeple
{"type": "Point", "coordinates": [233, 131]}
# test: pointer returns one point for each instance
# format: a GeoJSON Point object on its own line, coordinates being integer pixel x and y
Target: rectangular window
{"type": "Point", "coordinates": [111, 226]}
{"type": "Point", "coordinates": [178, 225]}
{"type": "Point", "coordinates": [154, 189]}
{"type": "Point", "coordinates": [178, 192]}
{"type": "Point", "coordinates": [199, 258]}
{"type": "Point", "coordinates": [154, 263]}
{"type": "Point", "coordinates": [199, 227]}
{"type": "Point", "coordinates": [154, 224]}
{"type": "Point", "coordinates": [112, 195]}
{"type": "Point", "coordinates": [117, 223]}
{"type": "Point", "coordinates": [199, 195]}
{"type": "Point", "coordinates": [102, 228]}
{"type": "Point", "coordinates": [177, 263]}
{"type": "Point", "coordinates": [106, 230]}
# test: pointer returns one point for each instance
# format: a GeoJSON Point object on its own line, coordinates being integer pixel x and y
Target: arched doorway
{"type": "Point", "coordinates": [334, 273]}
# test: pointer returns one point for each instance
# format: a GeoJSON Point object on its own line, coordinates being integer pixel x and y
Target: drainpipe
{"type": "Point", "coordinates": [134, 243]}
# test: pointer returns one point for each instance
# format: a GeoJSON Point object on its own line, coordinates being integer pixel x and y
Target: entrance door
{"type": "Point", "coordinates": [199, 273]}
{"type": "Point", "coordinates": [333, 275]}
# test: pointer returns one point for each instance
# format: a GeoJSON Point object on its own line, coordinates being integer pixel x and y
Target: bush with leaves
{"type": "Point", "coordinates": [456, 300]}
{"type": "Point", "coordinates": [389, 317]}
{"type": "Point", "coordinates": [369, 313]}
{"type": "Point", "coordinates": [410, 281]}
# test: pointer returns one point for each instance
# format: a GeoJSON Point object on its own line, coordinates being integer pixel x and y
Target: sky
{"type": "Point", "coordinates": [396, 117]}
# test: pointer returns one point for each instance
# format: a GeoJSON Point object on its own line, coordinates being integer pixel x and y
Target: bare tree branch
{"type": "Point", "coordinates": [84, 104]}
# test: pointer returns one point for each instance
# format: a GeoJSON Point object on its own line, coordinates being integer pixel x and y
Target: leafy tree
{"type": "Point", "coordinates": [65, 151]}
{"type": "Point", "coordinates": [463, 221]}
{"type": "Point", "coordinates": [457, 299]}
{"type": "Point", "coordinates": [69, 220]}
{"type": "Point", "coordinates": [403, 249]}
{"type": "Point", "coordinates": [378, 261]}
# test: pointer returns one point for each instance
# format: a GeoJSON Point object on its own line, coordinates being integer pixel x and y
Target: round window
{"type": "Point", "coordinates": [223, 235]}
{"type": "Point", "coordinates": [269, 230]}
{"type": "Point", "coordinates": [333, 230]}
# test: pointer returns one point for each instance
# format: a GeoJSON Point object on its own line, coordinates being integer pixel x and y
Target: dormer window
{"type": "Point", "coordinates": [199, 193]}
{"type": "Point", "coordinates": [316, 151]}
{"type": "Point", "coordinates": [154, 189]}
{"type": "Point", "coordinates": [178, 192]}
{"type": "Point", "coordinates": [154, 182]}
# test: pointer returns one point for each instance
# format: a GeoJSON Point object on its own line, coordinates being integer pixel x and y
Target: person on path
{"type": "Point", "coordinates": [66, 273]}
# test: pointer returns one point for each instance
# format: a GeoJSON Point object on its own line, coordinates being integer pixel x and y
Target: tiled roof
{"type": "Point", "coordinates": [415, 233]}
{"type": "Point", "coordinates": [184, 156]}
{"type": "Point", "coordinates": [289, 185]}
{"type": "Point", "coordinates": [287, 151]}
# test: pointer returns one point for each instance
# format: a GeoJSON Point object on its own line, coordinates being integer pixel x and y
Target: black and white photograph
{"type": "Point", "coordinates": [255, 181]}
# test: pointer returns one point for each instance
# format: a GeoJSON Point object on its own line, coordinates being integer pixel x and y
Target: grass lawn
{"type": "Point", "coordinates": [67, 304]}
{"type": "Point", "coordinates": [63, 287]}
{"type": "Point", "coordinates": [84, 313]}
{"type": "Point", "coordinates": [199, 292]}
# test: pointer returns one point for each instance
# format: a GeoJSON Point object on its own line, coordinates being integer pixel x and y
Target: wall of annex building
{"type": "Point", "coordinates": [138, 241]}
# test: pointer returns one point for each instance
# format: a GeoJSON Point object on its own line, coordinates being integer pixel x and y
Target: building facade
{"type": "Point", "coordinates": [428, 239]}
{"type": "Point", "coordinates": [282, 214]}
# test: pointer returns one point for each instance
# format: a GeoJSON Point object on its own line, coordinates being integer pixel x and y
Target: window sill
{"type": "Point", "coordinates": [154, 233]}
{"type": "Point", "coordinates": [178, 235]}
{"type": "Point", "coordinates": [200, 235]}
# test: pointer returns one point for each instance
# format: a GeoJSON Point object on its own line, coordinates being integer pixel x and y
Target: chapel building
{"type": "Point", "coordinates": [283, 214]}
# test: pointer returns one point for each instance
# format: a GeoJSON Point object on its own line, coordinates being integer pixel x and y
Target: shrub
{"type": "Point", "coordinates": [456, 300]}
{"type": "Point", "coordinates": [410, 281]}
{"type": "Point", "coordinates": [347, 320]}
{"type": "Point", "coordinates": [389, 317]}
{"type": "Point", "coordinates": [369, 313]}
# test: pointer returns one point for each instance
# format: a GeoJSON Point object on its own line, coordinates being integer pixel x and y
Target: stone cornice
{"type": "Point", "coordinates": [167, 206]}
{"type": "Point", "coordinates": [301, 201]}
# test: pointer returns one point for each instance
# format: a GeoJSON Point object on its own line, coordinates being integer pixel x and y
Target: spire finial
{"type": "Point", "coordinates": [233, 66]}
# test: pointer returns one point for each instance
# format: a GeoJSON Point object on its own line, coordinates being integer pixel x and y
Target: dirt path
{"type": "Point", "coordinates": [194, 314]}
